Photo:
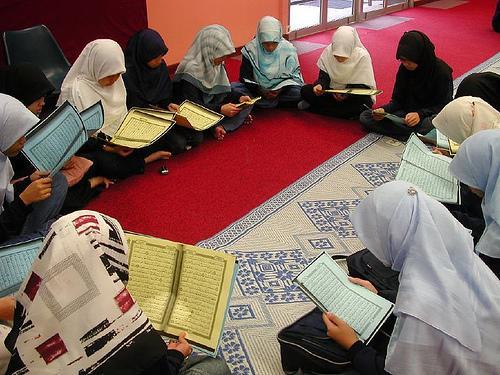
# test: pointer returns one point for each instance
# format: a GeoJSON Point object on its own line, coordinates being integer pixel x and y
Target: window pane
{"type": "Point", "coordinates": [304, 13]}
{"type": "Point", "coordinates": [338, 9]}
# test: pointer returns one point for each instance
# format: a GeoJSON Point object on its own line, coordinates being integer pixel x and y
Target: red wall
{"type": "Point", "coordinates": [75, 23]}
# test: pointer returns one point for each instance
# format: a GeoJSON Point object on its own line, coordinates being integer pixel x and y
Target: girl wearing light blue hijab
{"type": "Point", "coordinates": [477, 164]}
{"type": "Point", "coordinates": [448, 306]}
{"type": "Point", "coordinates": [270, 67]}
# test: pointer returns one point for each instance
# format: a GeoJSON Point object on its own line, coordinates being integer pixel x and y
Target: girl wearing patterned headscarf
{"type": "Point", "coordinates": [423, 86]}
{"type": "Point", "coordinates": [270, 67]}
{"type": "Point", "coordinates": [477, 164]}
{"type": "Point", "coordinates": [74, 314]}
{"type": "Point", "coordinates": [345, 63]}
{"type": "Point", "coordinates": [96, 76]}
{"type": "Point", "coordinates": [202, 78]}
{"type": "Point", "coordinates": [27, 206]}
{"type": "Point", "coordinates": [148, 85]}
{"type": "Point", "coordinates": [447, 308]}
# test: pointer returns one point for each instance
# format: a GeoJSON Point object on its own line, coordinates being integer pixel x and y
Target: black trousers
{"type": "Point", "coordinates": [398, 131]}
{"type": "Point", "coordinates": [325, 104]}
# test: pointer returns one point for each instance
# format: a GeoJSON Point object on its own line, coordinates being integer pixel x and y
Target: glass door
{"type": "Point", "coordinates": [312, 16]}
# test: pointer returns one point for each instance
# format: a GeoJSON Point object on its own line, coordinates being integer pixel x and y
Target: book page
{"type": "Point", "coordinates": [198, 117]}
{"type": "Point", "coordinates": [394, 118]}
{"type": "Point", "coordinates": [428, 171]}
{"type": "Point", "coordinates": [140, 129]}
{"type": "Point", "coordinates": [152, 267]}
{"type": "Point", "coordinates": [93, 118]}
{"type": "Point", "coordinates": [15, 263]}
{"type": "Point", "coordinates": [203, 294]}
{"type": "Point", "coordinates": [56, 139]}
{"type": "Point", "coordinates": [250, 102]}
{"type": "Point", "coordinates": [442, 140]}
{"type": "Point", "coordinates": [328, 286]}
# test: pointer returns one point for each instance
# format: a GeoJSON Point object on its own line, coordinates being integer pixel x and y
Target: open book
{"type": "Point", "coordinates": [195, 116]}
{"type": "Point", "coordinates": [249, 102]}
{"type": "Point", "coordinates": [441, 141]}
{"type": "Point", "coordinates": [182, 288]}
{"type": "Point", "coordinates": [53, 141]}
{"type": "Point", "coordinates": [428, 171]}
{"type": "Point", "coordinates": [15, 262]}
{"type": "Point", "coordinates": [355, 91]}
{"type": "Point", "coordinates": [329, 288]}
{"type": "Point", "coordinates": [141, 127]}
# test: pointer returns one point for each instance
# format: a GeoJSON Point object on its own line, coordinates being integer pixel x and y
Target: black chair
{"type": "Point", "coordinates": [37, 45]}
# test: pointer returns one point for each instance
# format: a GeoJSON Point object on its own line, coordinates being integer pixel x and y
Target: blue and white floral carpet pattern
{"type": "Point", "coordinates": [275, 241]}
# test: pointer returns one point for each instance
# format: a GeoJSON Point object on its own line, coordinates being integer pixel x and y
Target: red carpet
{"type": "Point", "coordinates": [212, 186]}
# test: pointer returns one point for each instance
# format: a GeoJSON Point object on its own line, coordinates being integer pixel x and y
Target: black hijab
{"type": "Point", "coordinates": [484, 85]}
{"type": "Point", "coordinates": [25, 82]}
{"type": "Point", "coordinates": [414, 88]}
{"type": "Point", "coordinates": [144, 85]}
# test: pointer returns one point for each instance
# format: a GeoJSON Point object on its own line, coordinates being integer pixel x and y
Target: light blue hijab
{"type": "Point", "coordinates": [477, 164]}
{"type": "Point", "coordinates": [448, 304]}
{"type": "Point", "coordinates": [272, 68]}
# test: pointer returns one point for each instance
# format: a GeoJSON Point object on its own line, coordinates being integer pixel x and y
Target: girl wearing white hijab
{"type": "Point", "coordinates": [27, 206]}
{"type": "Point", "coordinates": [465, 116]}
{"type": "Point", "coordinates": [272, 64]}
{"type": "Point", "coordinates": [477, 164]}
{"type": "Point", "coordinates": [96, 76]}
{"type": "Point", "coordinates": [74, 314]}
{"type": "Point", "coordinates": [448, 306]}
{"type": "Point", "coordinates": [345, 63]}
{"type": "Point", "coordinates": [202, 78]}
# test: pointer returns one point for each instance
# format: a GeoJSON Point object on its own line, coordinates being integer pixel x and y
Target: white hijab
{"type": "Point", "coordinates": [477, 164]}
{"type": "Point", "coordinates": [448, 302]}
{"type": "Point", "coordinates": [100, 58]}
{"type": "Point", "coordinates": [465, 116]}
{"type": "Point", "coordinates": [357, 69]}
{"type": "Point", "coordinates": [15, 121]}
{"type": "Point", "coordinates": [197, 67]}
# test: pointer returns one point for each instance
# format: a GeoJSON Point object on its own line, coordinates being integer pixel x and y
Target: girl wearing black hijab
{"type": "Point", "coordinates": [27, 83]}
{"type": "Point", "coordinates": [423, 86]}
{"type": "Point", "coordinates": [148, 85]}
{"type": "Point", "coordinates": [485, 85]}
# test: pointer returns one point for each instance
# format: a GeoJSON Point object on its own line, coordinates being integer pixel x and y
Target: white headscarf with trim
{"type": "Point", "coordinates": [448, 301]}
{"type": "Point", "coordinates": [99, 59]}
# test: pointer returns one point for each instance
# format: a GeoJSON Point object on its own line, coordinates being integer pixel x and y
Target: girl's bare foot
{"type": "Point", "coordinates": [248, 120]}
{"type": "Point", "coordinates": [157, 156]}
{"type": "Point", "coordinates": [100, 180]}
{"type": "Point", "coordinates": [219, 133]}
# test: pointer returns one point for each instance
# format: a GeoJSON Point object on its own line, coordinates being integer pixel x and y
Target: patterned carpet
{"type": "Point", "coordinates": [277, 239]}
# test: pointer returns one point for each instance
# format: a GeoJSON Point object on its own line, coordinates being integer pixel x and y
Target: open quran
{"type": "Point", "coordinates": [327, 285]}
{"type": "Point", "coordinates": [195, 116]}
{"type": "Point", "coordinates": [181, 288]}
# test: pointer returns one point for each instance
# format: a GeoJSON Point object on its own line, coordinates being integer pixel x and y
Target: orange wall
{"type": "Point", "coordinates": [179, 21]}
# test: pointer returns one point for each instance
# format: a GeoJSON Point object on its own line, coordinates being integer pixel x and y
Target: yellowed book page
{"type": "Point", "coordinates": [152, 266]}
{"type": "Point", "coordinates": [454, 146]}
{"type": "Point", "coordinates": [249, 102]}
{"type": "Point", "coordinates": [200, 118]}
{"type": "Point", "coordinates": [140, 129]}
{"type": "Point", "coordinates": [355, 91]}
{"type": "Point", "coordinates": [202, 296]}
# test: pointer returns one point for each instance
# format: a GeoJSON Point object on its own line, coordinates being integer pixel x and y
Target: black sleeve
{"type": "Point", "coordinates": [323, 80]}
{"type": "Point", "coordinates": [398, 93]}
{"type": "Point", "coordinates": [187, 91]}
{"type": "Point", "coordinates": [442, 93]}
{"type": "Point", "coordinates": [366, 360]}
{"type": "Point", "coordinates": [169, 364]}
{"type": "Point", "coordinates": [12, 218]}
